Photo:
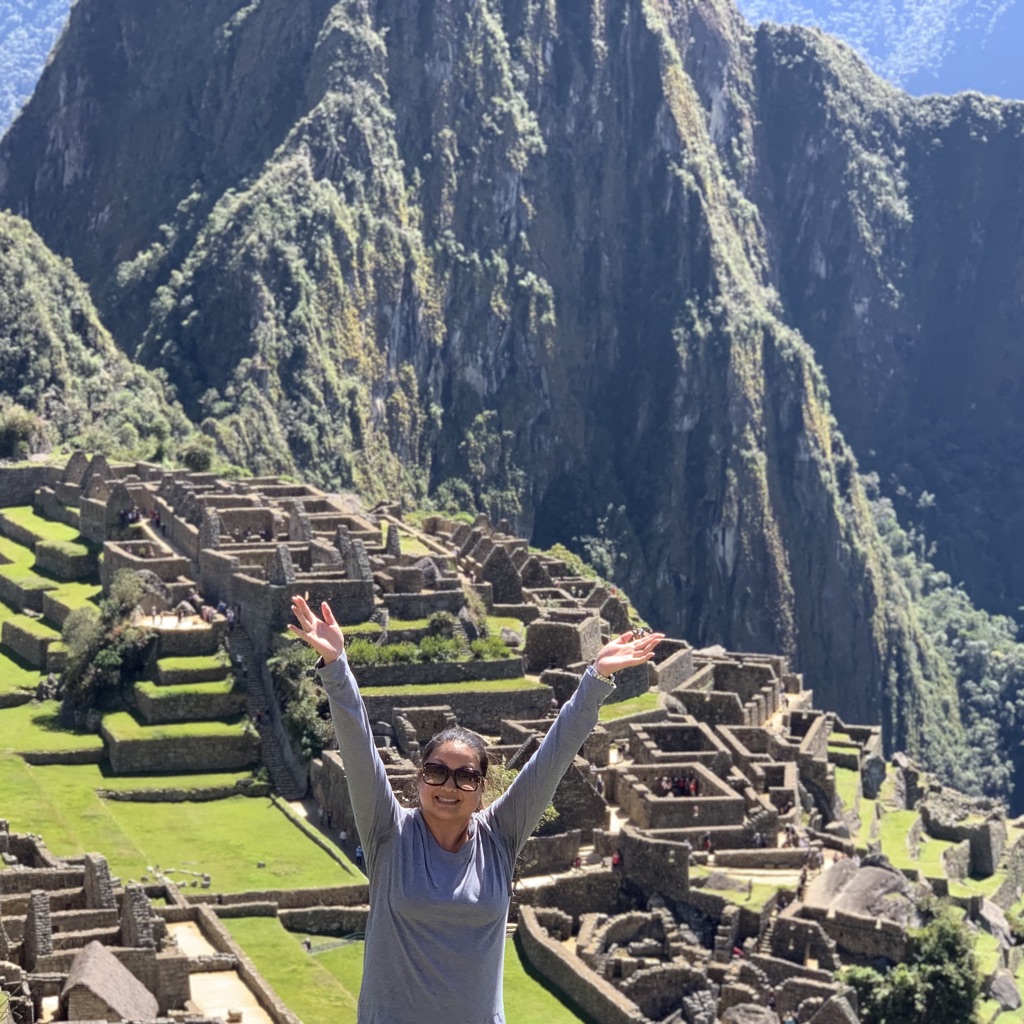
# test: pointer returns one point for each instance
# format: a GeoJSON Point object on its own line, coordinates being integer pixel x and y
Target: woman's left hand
{"type": "Point", "coordinates": [625, 652]}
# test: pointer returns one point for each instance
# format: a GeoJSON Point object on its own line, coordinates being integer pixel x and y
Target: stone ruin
{"type": "Point", "coordinates": [659, 815]}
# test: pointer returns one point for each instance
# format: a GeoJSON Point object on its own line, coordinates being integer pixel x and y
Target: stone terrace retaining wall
{"type": "Point", "coordinates": [20, 595]}
{"type": "Point", "coordinates": [188, 707]}
{"type": "Point", "coordinates": [478, 710]}
{"type": "Point", "coordinates": [326, 920]}
{"type": "Point", "coordinates": [93, 755]}
{"type": "Point", "coordinates": [26, 644]}
{"type": "Point", "coordinates": [592, 891]}
{"type": "Point", "coordinates": [57, 560]}
{"type": "Point", "coordinates": [596, 997]}
{"type": "Point", "coordinates": [354, 895]}
{"type": "Point", "coordinates": [438, 672]}
{"type": "Point", "coordinates": [184, 754]}
{"type": "Point", "coordinates": [169, 675]}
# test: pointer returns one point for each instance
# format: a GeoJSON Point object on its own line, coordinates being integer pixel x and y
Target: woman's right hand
{"type": "Point", "coordinates": [323, 635]}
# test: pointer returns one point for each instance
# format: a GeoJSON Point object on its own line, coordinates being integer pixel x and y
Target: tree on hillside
{"type": "Point", "coordinates": [940, 982]}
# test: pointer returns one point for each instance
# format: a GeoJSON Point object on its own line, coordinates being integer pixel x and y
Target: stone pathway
{"type": "Point", "coordinates": [216, 992]}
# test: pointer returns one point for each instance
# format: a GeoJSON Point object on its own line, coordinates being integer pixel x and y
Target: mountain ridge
{"type": "Point", "coordinates": [522, 255]}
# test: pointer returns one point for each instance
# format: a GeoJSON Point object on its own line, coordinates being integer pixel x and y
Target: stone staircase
{"type": "Point", "coordinates": [259, 709]}
{"type": "Point", "coordinates": [764, 944]}
{"type": "Point", "coordinates": [725, 936]}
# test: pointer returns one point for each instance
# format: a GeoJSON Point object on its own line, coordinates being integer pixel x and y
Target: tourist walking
{"type": "Point", "coordinates": [441, 873]}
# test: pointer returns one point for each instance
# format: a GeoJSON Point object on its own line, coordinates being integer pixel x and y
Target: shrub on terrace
{"type": "Point", "coordinates": [105, 652]}
{"type": "Point", "coordinates": [305, 707]}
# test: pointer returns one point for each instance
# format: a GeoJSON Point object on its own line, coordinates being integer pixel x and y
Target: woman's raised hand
{"type": "Point", "coordinates": [323, 635]}
{"type": "Point", "coordinates": [625, 652]}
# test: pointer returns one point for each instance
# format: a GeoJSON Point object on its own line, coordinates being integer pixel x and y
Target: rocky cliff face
{"type": "Point", "coordinates": [560, 257]}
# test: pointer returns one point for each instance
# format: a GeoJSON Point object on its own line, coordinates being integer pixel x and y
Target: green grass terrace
{"type": "Point", "coordinates": [323, 987]}
{"type": "Point", "coordinates": [227, 839]}
{"type": "Point", "coordinates": [123, 726]}
{"type": "Point", "coordinates": [476, 686]}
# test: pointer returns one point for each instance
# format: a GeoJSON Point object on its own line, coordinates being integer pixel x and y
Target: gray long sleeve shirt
{"type": "Point", "coordinates": [435, 938]}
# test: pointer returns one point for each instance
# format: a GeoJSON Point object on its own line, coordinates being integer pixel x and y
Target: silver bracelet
{"type": "Point", "coordinates": [610, 680]}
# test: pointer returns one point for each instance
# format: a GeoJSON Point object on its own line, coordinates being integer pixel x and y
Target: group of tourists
{"type": "Point", "coordinates": [681, 785]}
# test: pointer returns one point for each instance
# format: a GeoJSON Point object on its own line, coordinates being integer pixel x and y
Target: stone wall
{"type": "Point", "coordinates": [599, 999]}
{"type": "Point", "coordinates": [577, 894]}
{"type": "Point", "coordinates": [18, 484]}
{"type": "Point", "coordinates": [549, 854]}
{"type": "Point", "coordinates": [198, 639]}
{"type": "Point", "coordinates": [169, 674]}
{"type": "Point", "coordinates": [438, 672]}
{"type": "Point", "coordinates": [26, 643]}
{"type": "Point", "coordinates": [24, 594]}
{"type": "Point", "coordinates": [655, 865]}
{"type": "Point", "coordinates": [337, 921]}
{"type": "Point", "coordinates": [172, 706]}
{"type": "Point", "coordinates": [49, 506]}
{"type": "Point", "coordinates": [184, 754]}
{"type": "Point", "coordinates": [422, 605]}
{"type": "Point", "coordinates": [675, 670]}
{"type": "Point", "coordinates": [711, 707]}
{"type": "Point", "coordinates": [478, 710]}
{"type": "Point", "coordinates": [140, 556]}
{"type": "Point", "coordinates": [166, 975]}
{"type": "Point", "coordinates": [64, 561]}
{"type": "Point", "coordinates": [24, 880]}
{"type": "Point", "coordinates": [556, 644]}
{"type": "Point", "coordinates": [355, 894]}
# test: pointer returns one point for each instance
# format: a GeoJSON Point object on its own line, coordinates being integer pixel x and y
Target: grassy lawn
{"type": "Point", "coordinates": [206, 662]}
{"type": "Point", "coordinates": [142, 783]}
{"type": "Point", "coordinates": [645, 702]}
{"type": "Point", "coordinates": [155, 692]}
{"type": "Point", "coordinates": [867, 811]}
{"type": "Point", "coordinates": [496, 623]}
{"type": "Point", "coordinates": [74, 595]}
{"type": "Point", "coordinates": [124, 726]}
{"type": "Point", "coordinates": [929, 858]}
{"type": "Point", "coordinates": [39, 628]}
{"type": "Point", "coordinates": [894, 828]}
{"type": "Point", "coordinates": [476, 686]}
{"type": "Point", "coordinates": [31, 728]}
{"type": "Point", "coordinates": [323, 988]}
{"type": "Point", "coordinates": [977, 886]}
{"type": "Point", "coordinates": [414, 546]}
{"type": "Point", "coordinates": [15, 674]}
{"type": "Point", "coordinates": [225, 838]}
{"type": "Point", "coordinates": [846, 786]}
{"type": "Point", "coordinates": [42, 529]}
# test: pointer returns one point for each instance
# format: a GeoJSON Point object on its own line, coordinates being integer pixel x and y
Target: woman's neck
{"type": "Point", "coordinates": [450, 836]}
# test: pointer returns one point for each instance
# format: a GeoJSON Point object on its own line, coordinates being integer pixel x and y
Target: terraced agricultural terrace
{"type": "Point", "coordinates": [192, 815]}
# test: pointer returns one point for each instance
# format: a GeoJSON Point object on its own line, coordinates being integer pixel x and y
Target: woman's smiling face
{"type": "Point", "coordinates": [448, 804]}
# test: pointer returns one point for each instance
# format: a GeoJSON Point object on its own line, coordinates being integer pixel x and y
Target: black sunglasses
{"type": "Point", "coordinates": [434, 774]}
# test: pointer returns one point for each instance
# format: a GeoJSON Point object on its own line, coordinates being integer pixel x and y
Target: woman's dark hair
{"type": "Point", "coordinates": [456, 734]}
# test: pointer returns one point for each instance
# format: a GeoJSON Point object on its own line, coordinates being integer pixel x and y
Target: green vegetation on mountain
{"type": "Point", "coordinates": [62, 378]}
{"type": "Point", "coordinates": [631, 274]}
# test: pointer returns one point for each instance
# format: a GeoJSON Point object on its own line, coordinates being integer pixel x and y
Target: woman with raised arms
{"type": "Point", "coordinates": [441, 874]}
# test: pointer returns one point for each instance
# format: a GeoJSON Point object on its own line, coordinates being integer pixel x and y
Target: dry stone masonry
{"type": "Point", "coordinates": [643, 901]}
